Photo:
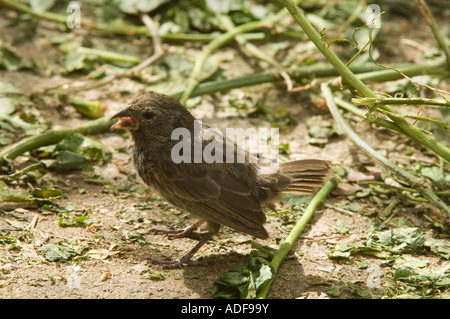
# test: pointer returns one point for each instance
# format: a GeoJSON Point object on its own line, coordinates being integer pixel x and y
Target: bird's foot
{"type": "Point", "coordinates": [181, 233]}
{"type": "Point", "coordinates": [186, 259]}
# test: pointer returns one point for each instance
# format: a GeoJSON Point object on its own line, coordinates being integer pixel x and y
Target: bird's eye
{"type": "Point", "coordinates": [149, 115]}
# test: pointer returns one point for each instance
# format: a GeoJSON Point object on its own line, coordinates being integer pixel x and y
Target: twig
{"type": "Point", "coordinates": [412, 180]}
{"type": "Point", "coordinates": [158, 50]}
{"type": "Point", "coordinates": [33, 222]}
{"type": "Point", "coordinates": [372, 119]}
{"type": "Point", "coordinates": [441, 93]}
{"type": "Point", "coordinates": [369, 41]}
{"type": "Point", "coordinates": [15, 274]}
{"type": "Point", "coordinates": [296, 231]}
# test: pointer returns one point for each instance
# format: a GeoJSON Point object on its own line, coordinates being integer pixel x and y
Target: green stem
{"type": "Point", "coordinates": [286, 246]}
{"type": "Point", "coordinates": [419, 118]}
{"type": "Point", "coordinates": [17, 6]}
{"type": "Point", "coordinates": [399, 101]}
{"type": "Point", "coordinates": [120, 29]}
{"type": "Point", "coordinates": [194, 78]}
{"type": "Point", "coordinates": [412, 180]}
{"type": "Point", "coordinates": [319, 70]}
{"type": "Point", "coordinates": [353, 81]}
{"type": "Point", "coordinates": [372, 119]}
{"type": "Point", "coordinates": [429, 18]}
{"type": "Point", "coordinates": [250, 48]}
{"type": "Point", "coordinates": [51, 137]}
{"type": "Point", "coordinates": [323, 47]}
{"type": "Point", "coordinates": [104, 54]}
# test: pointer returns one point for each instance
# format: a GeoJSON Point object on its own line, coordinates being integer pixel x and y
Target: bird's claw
{"type": "Point", "coordinates": [179, 233]}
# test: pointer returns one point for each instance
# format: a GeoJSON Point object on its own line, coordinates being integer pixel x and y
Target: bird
{"type": "Point", "coordinates": [224, 192]}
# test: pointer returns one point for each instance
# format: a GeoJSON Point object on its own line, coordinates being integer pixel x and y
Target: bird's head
{"type": "Point", "coordinates": [151, 118]}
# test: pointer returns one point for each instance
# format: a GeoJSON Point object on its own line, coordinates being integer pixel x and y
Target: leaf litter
{"type": "Point", "coordinates": [414, 262]}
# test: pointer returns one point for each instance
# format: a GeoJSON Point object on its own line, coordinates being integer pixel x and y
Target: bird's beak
{"type": "Point", "coordinates": [125, 120]}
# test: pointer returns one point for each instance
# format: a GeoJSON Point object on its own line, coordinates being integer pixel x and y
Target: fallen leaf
{"type": "Point", "coordinates": [343, 189]}
{"type": "Point", "coordinates": [356, 176]}
{"type": "Point", "coordinates": [100, 254]}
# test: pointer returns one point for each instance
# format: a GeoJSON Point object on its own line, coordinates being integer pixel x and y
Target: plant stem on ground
{"type": "Point", "coordinates": [414, 181]}
{"type": "Point", "coordinates": [286, 246]}
{"type": "Point", "coordinates": [51, 137]}
{"type": "Point", "coordinates": [354, 82]}
{"type": "Point", "coordinates": [194, 78]}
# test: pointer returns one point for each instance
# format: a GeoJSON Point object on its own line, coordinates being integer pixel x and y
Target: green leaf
{"type": "Point", "coordinates": [8, 194]}
{"type": "Point", "coordinates": [139, 6]}
{"type": "Point", "coordinates": [67, 160]}
{"type": "Point", "coordinates": [74, 61]}
{"type": "Point", "coordinates": [436, 175]}
{"type": "Point", "coordinates": [71, 142]}
{"type": "Point", "coordinates": [333, 292]}
{"type": "Point", "coordinates": [9, 60]}
{"type": "Point", "coordinates": [296, 199]}
{"type": "Point", "coordinates": [319, 135]}
{"type": "Point", "coordinates": [78, 221]}
{"type": "Point", "coordinates": [342, 227]}
{"type": "Point", "coordinates": [8, 103]}
{"type": "Point", "coordinates": [48, 194]}
{"type": "Point", "coordinates": [53, 252]}
{"type": "Point", "coordinates": [440, 247]}
{"type": "Point", "coordinates": [94, 150]}
{"type": "Point", "coordinates": [157, 277]}
{"type": "Point", "coordinates": [76, 151]}
{"type": "Point", "coordinates": [411, 236]}
{"type": "Point", "coordinates": [243, 281]}
{"type": "Point", "coordinates": [41, 5]}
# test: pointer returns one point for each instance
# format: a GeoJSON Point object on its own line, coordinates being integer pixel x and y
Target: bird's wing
{"type": "Point", "coordinates": [217, 192]}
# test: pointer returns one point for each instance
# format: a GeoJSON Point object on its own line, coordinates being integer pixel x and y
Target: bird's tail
{"type": "Point", "coordinates": [303, 176]}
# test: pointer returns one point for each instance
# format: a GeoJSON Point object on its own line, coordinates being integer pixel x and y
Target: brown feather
{"type": "Point", "coordinates": [229, 194]}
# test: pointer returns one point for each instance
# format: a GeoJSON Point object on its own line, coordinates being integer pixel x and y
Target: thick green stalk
{"type": "Point", "coordinates": [360, 113]}
{"type": "Point", "coordinates": [414, 181]}
{"type": "Point", "coordinates": [319, 70]}
{"type": "Point", "coordinates": [194, 78]}
{"type": "Point", "coordinates": [286, 246]}
{"type": "Point", "coordinates": [353, 81]}
{"type": "Point", "coordinates": [51, 137]}
{"type": "Point", "coordinates": [399, 101]}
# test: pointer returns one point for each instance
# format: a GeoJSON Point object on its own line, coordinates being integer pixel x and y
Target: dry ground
{"type": "Point", "coordinates": [113, 246]}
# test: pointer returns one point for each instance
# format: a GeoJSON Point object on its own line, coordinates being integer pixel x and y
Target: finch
{"type": "Point", "coordinates": [223, 192]}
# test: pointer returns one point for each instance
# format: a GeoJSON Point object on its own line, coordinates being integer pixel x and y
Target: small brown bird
{"type": "Point", "coordinates": [230, 193]}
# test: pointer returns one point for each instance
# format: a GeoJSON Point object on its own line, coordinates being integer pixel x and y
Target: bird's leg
{"type": "Point", "coordinates": [184, 232]}
{"type": "Point", "coordinates": [186, 259]}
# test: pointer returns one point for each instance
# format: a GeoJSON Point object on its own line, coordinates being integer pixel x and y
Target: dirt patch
{"type": "Point", "coordinates": [107, 254]}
